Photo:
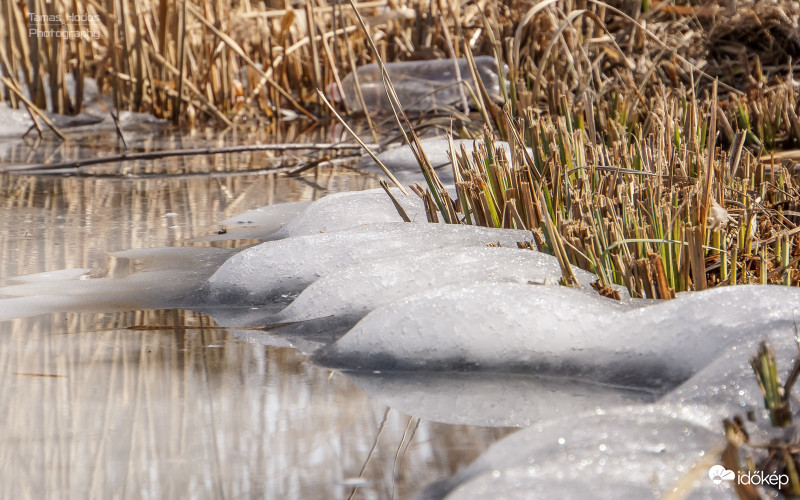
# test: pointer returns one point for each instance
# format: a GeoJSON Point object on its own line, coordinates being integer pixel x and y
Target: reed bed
{"type": "Point", "coordinates": [234, 62]}
{"type": "Point", "coordinates": [229, 61]}
{"type": "Point", "coordinates": [660, 189]}
{"type": "Point", "coordinates": [660, 213]}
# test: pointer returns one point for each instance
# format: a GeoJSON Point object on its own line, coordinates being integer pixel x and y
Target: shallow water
{"type": "Point", "coordinates": [177, 408]}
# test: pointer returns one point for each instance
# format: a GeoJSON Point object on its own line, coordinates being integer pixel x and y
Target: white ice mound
{"type": "Point", "coordinates": [144, 290]}
{"type": "Point", "coordinates": [13, 122]}
{"type": "Point", "coordinates": [259, 223]}
{"type": "Point", "coordinates": [634, 452]}
{"type": "Point", "coordinates": [363, 287]}
{"type": "Point", "coordinates": [437, 149]}
{"type": "Point", "coordinates": [630, 454]}
{"type": "Point", "coordinates": [346, 210]}
{"type": "Point", "coordinates": [484, 325]}
{"type": "Point", "coordinates": [164, 277]}
{"type": "Point", "coordinates": [287, 265]}
{"type": "Point", "coordinates": [561, 330]}
{"type": "Point", "coordinates": [402, 162]}
{"type": "Point", "coordinates": [269, 215]}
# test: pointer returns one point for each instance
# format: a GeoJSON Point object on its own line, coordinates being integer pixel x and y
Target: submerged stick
{"type": "Point", "coordinates": [154, 155]}
{"type": "Point", "coordinates": [372, 450]}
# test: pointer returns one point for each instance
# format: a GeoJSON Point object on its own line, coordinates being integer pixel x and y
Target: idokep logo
{"type": "Point", "coordinates": [718, 474]}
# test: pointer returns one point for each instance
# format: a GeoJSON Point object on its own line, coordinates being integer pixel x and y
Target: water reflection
{"type": "Point", "coordinates": [63, 222]}
{"type": "Point", "coordinates": [92, 410]}
{"type": "Point", "coordinates": [143, 135]}
{"type": "Point", "coordinates": [177, 409]}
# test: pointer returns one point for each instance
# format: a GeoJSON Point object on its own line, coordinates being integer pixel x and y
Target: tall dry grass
{"type": "Point", "coordinates": [629, 158]}
{"type": "Point", "coordinates": [235, 61]}
{"type": "Point", "coordinates": [226, 60]}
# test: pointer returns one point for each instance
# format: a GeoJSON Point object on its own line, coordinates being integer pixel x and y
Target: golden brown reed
{"type": "Point", "coordinates": [232, 60]}
{"type": "Point", "coordinates": [224, 60]}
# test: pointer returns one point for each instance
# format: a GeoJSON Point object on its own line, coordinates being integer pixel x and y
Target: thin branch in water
{"type": "Point", "coordinates": [372, 450]}
{"type": "Point", "coordinates": [119, 131]}
{"type": "Point", "coordinates": [401, 452]}
{"type": "Point", "coordinates": [155, 155]}
{"type": "Point", "coordinates": [31, 106]}
{"type": "Point", "coordinates": [363, 145]}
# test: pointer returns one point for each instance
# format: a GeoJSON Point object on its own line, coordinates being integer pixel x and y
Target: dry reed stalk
{"type": "Point", "coordinates": [31, 107]}
{"type": "Point", "coordinates": [541, 41]}
{"type": "Point", "coordinates": [364, 146]}
{"type": "Point", "coordinates": [315, 60]}
{"type": "Point", "coordinates": [238, 50]}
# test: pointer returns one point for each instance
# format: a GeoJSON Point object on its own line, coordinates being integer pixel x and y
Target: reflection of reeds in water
{"type": "Point", "coordinates": [158, 139]}
{"type": "Point", "coordinates": [54, 222]}
{"type": "Point", "coordinates": [91, 410]}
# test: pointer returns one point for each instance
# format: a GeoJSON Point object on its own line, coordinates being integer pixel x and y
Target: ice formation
{"type": "Point", "coordinates": [165, 277]}
{"type": "Point", "coordinates": [403, 164]}
{"type": "Point", "coordinates": [557, 329]}
{"type": "Point", "coordinates": [493, 399]}
{"type": "Point", "coordinates": [632, 453]}
{"type": "Point", "coordinates": [347, 210]}
{"type": "Point", "coordinates": [629, 396]}
{"type": "Point", "coordinates": [359, 289]}
{"type": "Point", "coordinates": [644, 451]}
{"type": "Point", "coordinates": [420, 85]}
{"type": "Point", "coordinates": [623, 399]}
{"type": "Point", "coordinates": [94, 114]}
{"type": "Point", "coordinates": [259, 223]}
{"type": "Point", "coordinates": [287, 265]}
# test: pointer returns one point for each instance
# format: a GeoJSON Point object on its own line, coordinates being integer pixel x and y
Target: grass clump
{"type": "Point", "coordinates": [660, 213]}
{"type": "Point", "coordinates": [781, 455]}
{"type": "Point", "coordinates": [660, 189]}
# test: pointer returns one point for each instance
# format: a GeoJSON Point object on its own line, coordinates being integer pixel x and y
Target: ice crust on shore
{"type": "Point", "coordinates": [346, 210]}
{"type": "Point", "coordinates": [164, 277]}
{"type": "Point", "coordinates": [420, 85]}
{"type": "Point", "coordinates": [691, 353]}
{"type": "Point", "coordinates": [290, 264]}
{"type": "Point", "coordinates": [504, 326]}
{"type": "Point", "coordinates": [634, 453]}
{"type": "Point", "coordinates": [493, 399]}
{"type": "Point", "coordinates": [620, 399]}
{"type": "Point", "coordinates": [361, 288]}
{"type": "Point", "coordinates": [630, 452]}
{"type": "Point", "coordinates": [94, 115]}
